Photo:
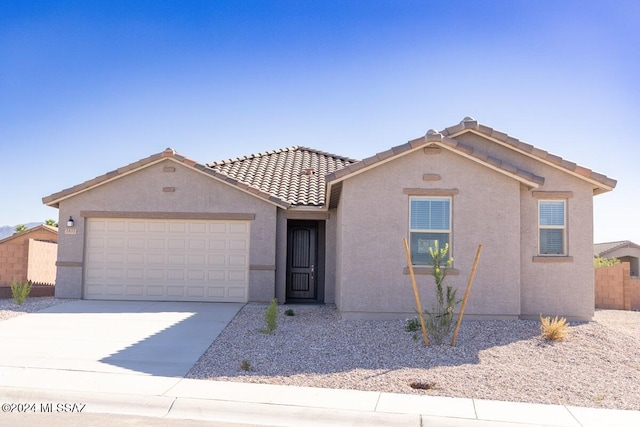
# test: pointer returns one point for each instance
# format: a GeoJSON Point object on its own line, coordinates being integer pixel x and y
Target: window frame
{"type": "Point", "coordinates": [448, 231]}
{"type": "Point", "coordinates": [565, 246]}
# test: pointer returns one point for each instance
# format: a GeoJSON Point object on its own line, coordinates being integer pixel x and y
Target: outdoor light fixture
{"type": "Point", "coordinates": [70, 222]}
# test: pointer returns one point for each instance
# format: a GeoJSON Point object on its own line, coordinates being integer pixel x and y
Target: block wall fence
{"type": "Point", "coordinates": [616, 289]}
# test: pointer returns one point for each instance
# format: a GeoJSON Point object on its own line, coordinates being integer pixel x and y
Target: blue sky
{"type": "Point", "coordinates": [87, 87]}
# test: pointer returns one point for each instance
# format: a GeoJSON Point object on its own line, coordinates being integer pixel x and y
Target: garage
{"type": "Point", "coordinates": [166, 259]}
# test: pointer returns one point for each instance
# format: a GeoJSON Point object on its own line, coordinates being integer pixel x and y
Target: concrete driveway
{"type": "Point", "coordinates": [134, 337]}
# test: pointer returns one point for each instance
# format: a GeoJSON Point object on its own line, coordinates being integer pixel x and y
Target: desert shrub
{"type": "Point", "coordinates": [289, 312]}
{"type": "Point", "coordinates": [20, 292]}
{"type": "Point", "coordinates": [439, 321]}
{"type": "Point", "coordinates": [245, 365]}
{"type": "Point", "coordinates": [605, 262]}
{"type": "Point", "coordinates": [412, 325]}
{"type": "Point", "coordinates": [271, 317]}
{"type": "Point", "coordinates": [553, 329]}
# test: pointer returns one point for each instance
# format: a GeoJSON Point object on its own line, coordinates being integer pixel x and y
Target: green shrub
{"type": "Point", "coordinates": [289, 312]}
{"type": "Point", "coordinates": [271, 317]}
{"type": "Point", "coordinates": [605, 262]}
{"type": "Point", "coordinates": [20, 292]}
{"type": "Point", "coordinates": [439, 321]}
{"type": "Point", "coordinates": [412, 325]}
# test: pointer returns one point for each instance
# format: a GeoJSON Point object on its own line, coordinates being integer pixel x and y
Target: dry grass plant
{"type": "Point", "coordinates": [554, 329]}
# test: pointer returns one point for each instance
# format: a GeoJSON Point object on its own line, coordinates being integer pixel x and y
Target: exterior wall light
{"type": "Point", "coordinates": [70, 222]}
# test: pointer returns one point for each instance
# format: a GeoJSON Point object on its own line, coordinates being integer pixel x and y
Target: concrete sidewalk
{"type": "Point", "coordinates": [270, 405]}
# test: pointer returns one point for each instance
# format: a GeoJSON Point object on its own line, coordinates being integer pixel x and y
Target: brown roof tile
{"type": "Point", "coordinates": [283, 173]}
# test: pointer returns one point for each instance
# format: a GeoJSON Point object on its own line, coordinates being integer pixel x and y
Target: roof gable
{"type": "Point", "coordinates": [446, 139]}
{"type": "Point", "coordinates": [602, 249]}
{"type": "Point", "coordinates": [169, 154]}
{"type": "Point", "coordinates": [41, 227]}
{"type": "Point", "coordinates": [601, 182]}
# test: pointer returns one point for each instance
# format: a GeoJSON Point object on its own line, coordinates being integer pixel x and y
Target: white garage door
{"type": "Point", "coordinates": [166, 260]}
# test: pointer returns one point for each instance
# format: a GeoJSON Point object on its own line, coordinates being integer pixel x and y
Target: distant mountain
{"type": "Point", "coordinates": [8, 230]}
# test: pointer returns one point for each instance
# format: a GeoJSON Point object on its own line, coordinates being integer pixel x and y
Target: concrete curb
{"type": "Point", "coordinates": [271, 405]}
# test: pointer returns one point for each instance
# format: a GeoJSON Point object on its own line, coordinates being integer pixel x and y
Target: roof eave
{"type": "Point", "coordinates": [601, 183]}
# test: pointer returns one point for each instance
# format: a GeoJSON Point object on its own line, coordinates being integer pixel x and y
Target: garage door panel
{"type": "Point", "coordinates": [197, 244]}
{"type": "Point", "coordinates": [197, 260]}
{"type": "Point", "coordinates": [177, 227]}
{"type": "Point", "coordinates": [115, 243]}
{"type": "Point", "coordinates": [135, 258]}
{"type": "Point", "coordinates": [155, 258]}
{"type": "Point", "coordinates": [136, 243]}
{"type": "Point", "coordinates": [183, 260]}
{"type": "Point", "coordinates": [134, 290]}
{"type": "Point", "coordinates": [218, 227]}
{"type": "Point", "coordinates": [136, 227]}
{"type": "Point", "coordinates": [115, 226]}
{"type": "Point", "coordinates": [216, 292]}
{"type": "Point", "coordinates": [217, 244]}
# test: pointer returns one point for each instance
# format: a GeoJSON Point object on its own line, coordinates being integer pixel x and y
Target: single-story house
{"type": "Point", "coordinates": [29, 256]}
{"type": "Point", "coordinates": [624, 250]}
{"type": "Point", "coordinates": [303, 225]}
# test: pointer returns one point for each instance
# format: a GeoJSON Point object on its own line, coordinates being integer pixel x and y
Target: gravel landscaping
{"type": "Point", "coordinates": [9, 309]}
{"type": "Point", "coordinates": [598, 365]}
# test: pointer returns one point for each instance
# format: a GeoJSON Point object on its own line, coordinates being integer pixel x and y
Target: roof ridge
{"type": "Point", "coordinates": [278, 151]}
{"type": "Point", "coordinates": [328, 154]}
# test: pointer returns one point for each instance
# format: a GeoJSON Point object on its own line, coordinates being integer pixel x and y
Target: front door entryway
{"type": "Point", "coordinates": [302, 261]}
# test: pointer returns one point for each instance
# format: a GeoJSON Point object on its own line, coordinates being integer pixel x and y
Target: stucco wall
{"type": "Point", "coordinates": [375, 219]}
{"type": "Point", "coordinates": [560, 286]}
{"type": "Point", "coordinates": [142, 191]}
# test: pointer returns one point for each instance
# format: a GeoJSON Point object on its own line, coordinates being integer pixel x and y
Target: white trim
{"type": "Point", "coordinates": [448, 231]}
{"type": "Point", "coordinates": [565, 248]}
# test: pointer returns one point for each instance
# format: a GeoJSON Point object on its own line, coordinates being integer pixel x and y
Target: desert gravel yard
{"type": "Point", "coordinates": [597, 365]}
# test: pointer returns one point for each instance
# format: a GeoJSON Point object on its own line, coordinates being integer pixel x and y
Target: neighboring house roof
{"type": "Point", "coordinates": [44, 227]}
{"type": "Point", "coordinates": [602, 249]}
{"type": "Point", "coordinates": [295, 175]}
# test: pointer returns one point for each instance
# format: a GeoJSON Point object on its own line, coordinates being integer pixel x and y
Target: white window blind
{"type": "Point", "coordinates": [430, 221]}
{"type": "Point", "coordinates": [552, 227]}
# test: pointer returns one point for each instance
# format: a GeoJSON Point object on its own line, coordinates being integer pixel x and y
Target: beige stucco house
{"type": "Point", "coordinates": [624, 250]}
{"type": "Point", "coordinates": [29, 256]}
{"type": "Point", "coordinates": [303, 225]}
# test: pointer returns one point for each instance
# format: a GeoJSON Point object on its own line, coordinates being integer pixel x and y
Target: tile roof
{"type": "Point", "coordinates": [446, 139]}
{"type": "Point", "coordinates": [470, 124]}
{"type": "Point", "coordinates": [600, 249]}
{"type": "Point", "coordinates": [435, 138]}
{"type": "Point", "coordinates": [295, 175]}
{"type": "Point", "coordinates": [45, 227]}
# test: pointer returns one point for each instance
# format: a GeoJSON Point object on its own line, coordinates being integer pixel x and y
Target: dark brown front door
{"type": "Point", "coordinates": [302, 260]}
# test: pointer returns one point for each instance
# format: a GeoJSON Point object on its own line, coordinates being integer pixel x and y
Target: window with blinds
{"type": "Point", "coordinates": [430, 221]}
{"type": "Point", "coordinates": [552, 227]}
